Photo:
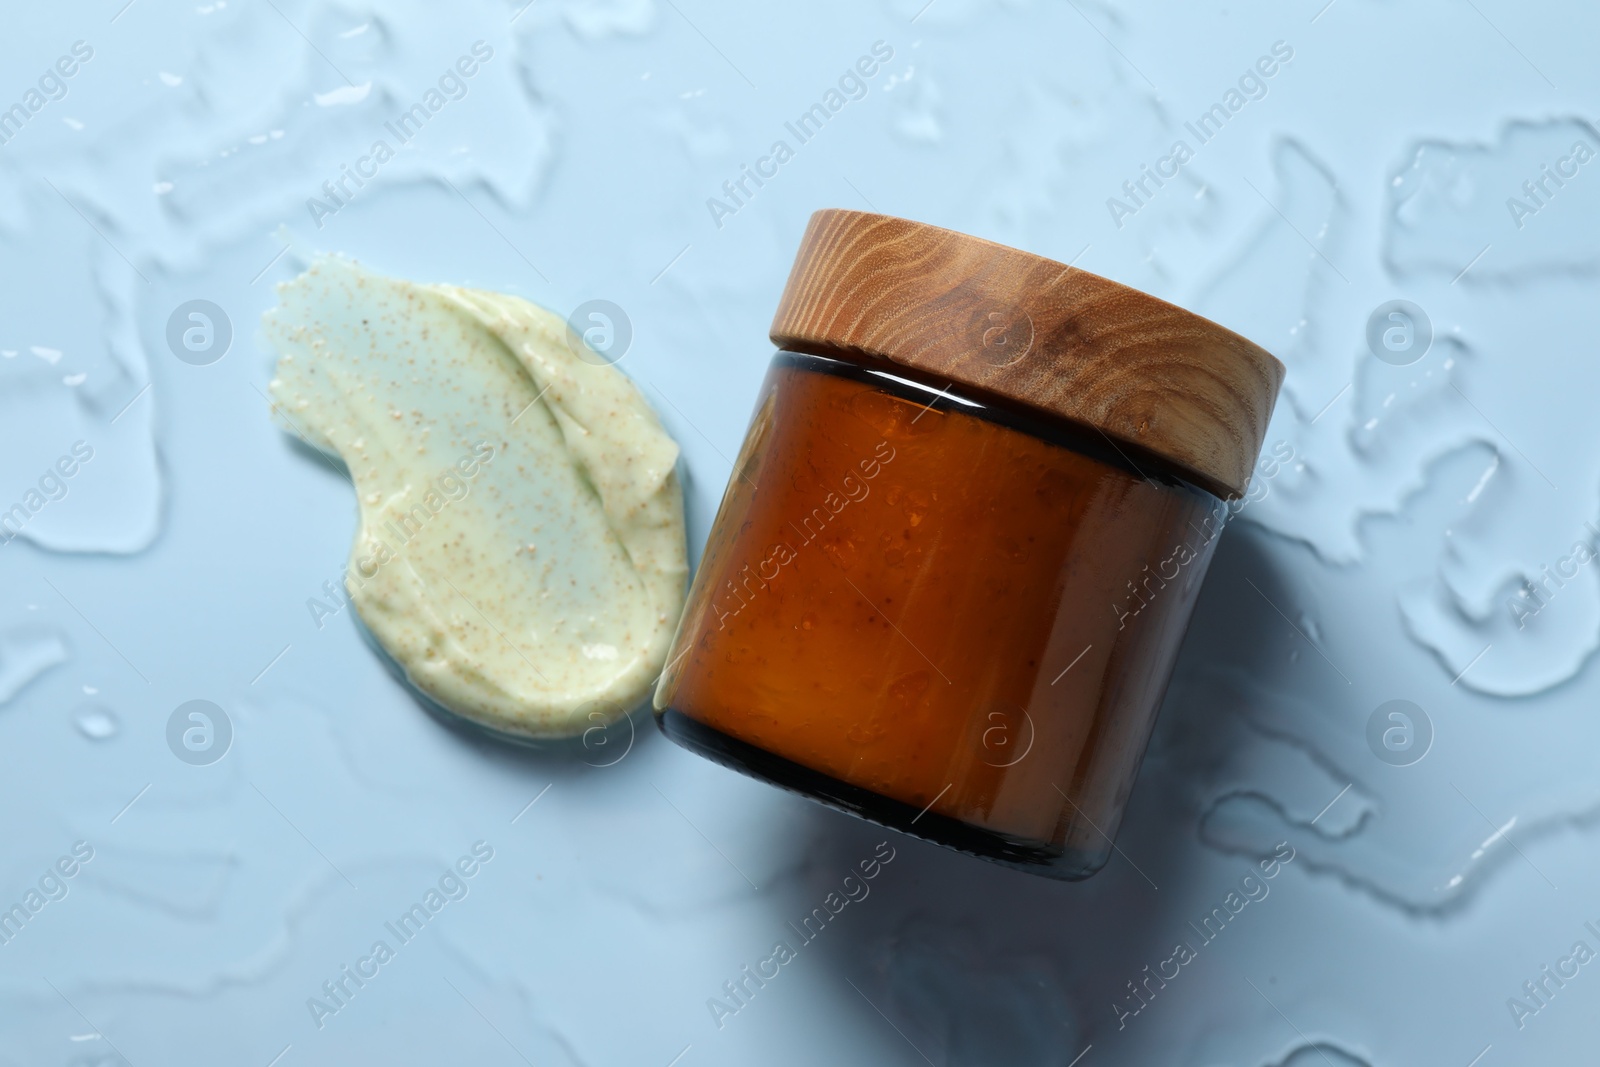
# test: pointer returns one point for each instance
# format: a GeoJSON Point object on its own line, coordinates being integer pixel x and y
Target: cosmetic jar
{"type": "Point", "coordinates": [956, 557]}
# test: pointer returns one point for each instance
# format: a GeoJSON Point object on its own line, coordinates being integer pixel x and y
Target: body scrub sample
{"type": "Point", "coordinates": [521, 545]}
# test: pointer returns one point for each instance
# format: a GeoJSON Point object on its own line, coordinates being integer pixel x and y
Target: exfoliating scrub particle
{"type": "Point", "coordinates": [521, 549]}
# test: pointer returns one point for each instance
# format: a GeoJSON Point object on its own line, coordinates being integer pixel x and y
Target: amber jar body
{"type": "Point", "coordinates": [942, 612]}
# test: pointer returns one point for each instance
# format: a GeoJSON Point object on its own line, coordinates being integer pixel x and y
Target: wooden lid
{"type": "Point", "coordinates": [1154, 378]}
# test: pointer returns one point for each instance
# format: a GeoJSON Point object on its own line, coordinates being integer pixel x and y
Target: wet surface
{"type": "Point", "coordinates": [1424, 535]}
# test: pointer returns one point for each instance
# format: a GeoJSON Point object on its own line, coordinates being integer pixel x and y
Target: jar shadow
{"type": "Point", "coordinates": [976, 963]}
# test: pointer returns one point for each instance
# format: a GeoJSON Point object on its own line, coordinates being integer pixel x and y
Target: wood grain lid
{"type": "Point", "coordinates": [1154, 378]}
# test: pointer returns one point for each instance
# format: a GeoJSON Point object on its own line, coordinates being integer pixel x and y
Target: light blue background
{"type": "Point", "coordinates": [1379, 564]}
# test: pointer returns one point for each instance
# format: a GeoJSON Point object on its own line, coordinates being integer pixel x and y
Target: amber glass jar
{"type": "Point", "coordinates": [942, 593]}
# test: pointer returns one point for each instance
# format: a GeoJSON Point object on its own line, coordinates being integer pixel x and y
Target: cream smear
{"type": "Point", "coordinates": [521, 549]}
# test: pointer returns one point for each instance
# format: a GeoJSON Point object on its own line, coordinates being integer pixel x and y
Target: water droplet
{"type": "Point", "coordinates": [96, 723]}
